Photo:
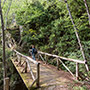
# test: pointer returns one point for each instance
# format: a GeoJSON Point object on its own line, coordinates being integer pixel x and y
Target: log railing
{"type": "Point", "coordinates": [60, 60]}
{"type": "Point", "coordinates": [27, 60]}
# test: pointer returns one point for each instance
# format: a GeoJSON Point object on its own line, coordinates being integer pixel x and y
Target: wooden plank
{"type": "Point", "coordinates": [64, 58]}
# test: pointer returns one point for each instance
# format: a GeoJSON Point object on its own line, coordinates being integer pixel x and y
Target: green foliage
{"type": "Point", "coordinates": [80, 88]}
{"type": "Point", "coordinates": [47, 25]}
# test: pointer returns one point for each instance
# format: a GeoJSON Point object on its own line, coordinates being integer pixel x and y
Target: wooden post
{"type": "Point", "coordinates": [26, 67]}
{"type": "Point", "coordinates": [38, 56]}
{"type": "Point", "coordinates": [77, 70]}
{"type": "Point", "coordinates": [38, 75]}
{"type": "Point", "coordinates": [58, 64]}
{"type": "Point", "coordinates": [77, 35]}
{"type": "Point", "coordinates": [20, 60]}
{"type": "Point", "coordinates": [45, 58]}
{"type": "Point", "coordinates": [6, 84]}
{"type": "Point", "coordinates": [16, 57]}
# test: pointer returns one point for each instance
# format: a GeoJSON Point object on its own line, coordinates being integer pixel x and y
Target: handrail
{"type": "Point", "coordinates": [59, 59]}
{"type": "Point", "coordinates": [64, 58]}
{"type": "Point", "coordinates": [27, 61]}
{"type": "Point", "coordinates": [30, 59]}
{"type": "Point", "coordinates": [12, 44]}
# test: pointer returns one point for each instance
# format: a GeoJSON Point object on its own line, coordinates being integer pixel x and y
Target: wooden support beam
{"type": "Point", "coordinates": [38, 75]}
{"type": "Point", "coordinates": [63, 58]}
{"type": "Point", "coordinates": [58, 63]}
{"type": "Point", "coordinates": [46, 59]}
{"type": "Point", "coordinates": [38, 56]}
{"type": "Point", "coordinates": [19, 60]}
{"type": "Point", "coordinates": [42, 58]}
{"type": "Point", "coordinates": [77, 35]}
{"type": "Point", "coordinates": [6, 84]}
{"type": "Point", "coordinates": [14, 54]}
{"type": "Point", "coordinates": [28, 63]}
{"type": "Point", "coordinates": [26, 67]}
{"type": "Point", "coordinates": [22, 63]}
{"type": "Point", "coordinates": [23, 70]}
{"type": "Point", "coordinates": [26, 57]}
{"type": "Point", "coordinates": [33, 83]}
{"type": "Point", "coordinates": [17, 64]}
{"type": "Point", "coordinates": [67, 68]}
{"type": "Point", "coordinates": [15, 59]}
{"type": "Point", "coordinates": [77, 70]}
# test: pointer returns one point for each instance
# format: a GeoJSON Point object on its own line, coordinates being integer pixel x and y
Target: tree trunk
{"type": "Point", "coordinates": [7, 14]}
{"type": "Point", "coordinates": [3, 44]}
{"type": "Point", "coordinates": [3, 40]}
{"type": "Point", "coordinates": [87, 9]}
{"type": "Point", "coordinates": [77, 35]}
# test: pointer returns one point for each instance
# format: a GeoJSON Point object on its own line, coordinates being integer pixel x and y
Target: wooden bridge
{"type": "Point", "coordinates": [38, 74]}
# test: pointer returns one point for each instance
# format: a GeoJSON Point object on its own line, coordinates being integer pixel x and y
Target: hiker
{"type": "Point", "coordinates": [34, 51]}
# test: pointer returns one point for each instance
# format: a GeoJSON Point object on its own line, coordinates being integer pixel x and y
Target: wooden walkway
{"type": "Point", "coordinates": [50, 77]}
{"type": "Point", "coordinates": [45, 76]}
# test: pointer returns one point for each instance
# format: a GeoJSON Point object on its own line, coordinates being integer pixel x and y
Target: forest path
{"type": "Point", "coordinates": [50, 77]}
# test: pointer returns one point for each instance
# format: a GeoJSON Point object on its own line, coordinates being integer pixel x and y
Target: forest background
{"type": "Point", "coordinates": [47, 25]}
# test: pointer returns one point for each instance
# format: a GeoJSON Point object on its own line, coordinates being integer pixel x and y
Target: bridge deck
{"type": "Point", "coordinates": [50, 77]}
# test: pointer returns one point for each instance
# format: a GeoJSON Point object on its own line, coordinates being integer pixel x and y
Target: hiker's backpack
{"type": "Point", "coordinates": [35, 51]}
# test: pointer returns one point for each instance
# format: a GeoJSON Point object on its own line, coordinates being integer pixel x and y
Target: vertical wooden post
{"type": "Point", "coordinates": [14, 54]}
{"type": "Point", "coordinates": [16, 57]}
{"type": "Point", "coordinates": [38, 75]}
{"type": "Point", "coordinates": [25, 67]}
{"type": "Point", "coordinates": [45, 59]}
{"type": "Point", "coordinates": [58, 64]}
{"type": "Point", "coordinates": [77, 70]}
{"type": "Point", "coordinates": [38, 56]}
{"type": "Point", "coordinates": [6, 84]}
{"type": "Point", "coordinates": [20, 60]}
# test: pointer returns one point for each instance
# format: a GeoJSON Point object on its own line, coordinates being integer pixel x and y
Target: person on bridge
{"type": "Point", "coordinates": [34, 51]}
